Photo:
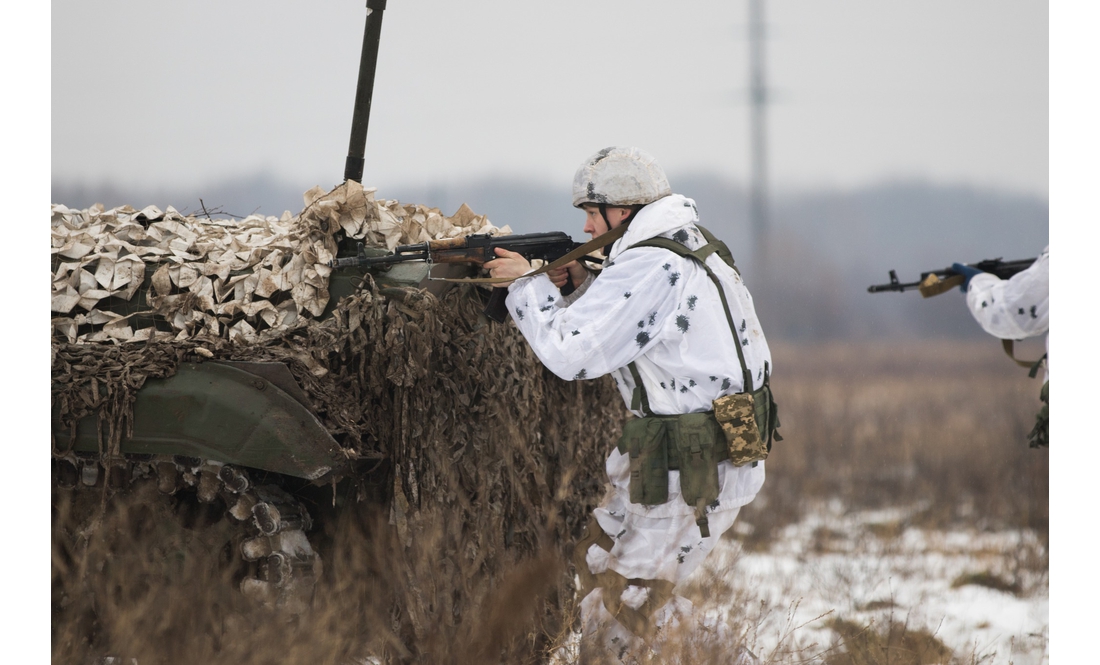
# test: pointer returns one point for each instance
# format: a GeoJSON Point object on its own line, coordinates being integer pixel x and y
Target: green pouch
{"type": "Point", "coordinates": [696, 438]}
{"type": "Point", "coordinates": [767, 413]}
{"type": "Point", "coordinates": [764, 411]}
{"type": "Point", "coordinates": [645, 440]}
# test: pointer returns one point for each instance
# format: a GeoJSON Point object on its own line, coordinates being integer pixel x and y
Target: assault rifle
{"type": "Point", "coordinates": [474, 249]}
{"type": "Point", "coordinates": [935, 282]}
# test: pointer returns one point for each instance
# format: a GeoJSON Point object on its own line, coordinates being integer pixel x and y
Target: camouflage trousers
{"type": "Point", "coordinates": [630, 566]}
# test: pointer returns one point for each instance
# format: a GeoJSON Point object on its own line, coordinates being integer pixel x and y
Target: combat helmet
{"type": "Point", "coordinates": [619, 176]}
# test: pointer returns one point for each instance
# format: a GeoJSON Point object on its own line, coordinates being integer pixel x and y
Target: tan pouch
{"type": "Point", "coordinates": [736, 414]}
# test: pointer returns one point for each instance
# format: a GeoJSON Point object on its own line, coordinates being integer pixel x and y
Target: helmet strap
{"type": "Point", "coordinates": [603, 213]}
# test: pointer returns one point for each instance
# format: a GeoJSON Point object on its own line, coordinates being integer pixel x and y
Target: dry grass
{"type": "Point", "coordinates": [939, 424]}
{"type": "Point", "coordinates": [987, 579]}
{"type": "Point", "coordinates": [942, 425]}
{"type": "Point", "coordinates": [895, 643]}
{"type": "Point", "coordinates": [156, 580]}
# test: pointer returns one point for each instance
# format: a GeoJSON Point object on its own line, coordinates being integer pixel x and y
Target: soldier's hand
{"type": "Point", "coordinates": [572, 270]}
{"type": "Point", "coordinates": [507, 264]}
{"type": "Point", "coordinates": [967, 272]}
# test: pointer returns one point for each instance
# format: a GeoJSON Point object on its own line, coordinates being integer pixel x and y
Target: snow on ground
{"type": "Point", "coordinates": [868, 568]}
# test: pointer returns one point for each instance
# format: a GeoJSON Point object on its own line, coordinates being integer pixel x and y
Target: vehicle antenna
{"type": "Point", "coordinates": [368, 62]}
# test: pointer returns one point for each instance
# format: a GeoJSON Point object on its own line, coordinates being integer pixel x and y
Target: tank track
{"type": "Point", "coordinates": [282, 567]}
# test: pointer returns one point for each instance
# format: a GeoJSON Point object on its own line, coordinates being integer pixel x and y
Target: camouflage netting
{"type": "Point", "coordinates": [492, 458]}
{"type": "Point", "coordinates": [255, 278]}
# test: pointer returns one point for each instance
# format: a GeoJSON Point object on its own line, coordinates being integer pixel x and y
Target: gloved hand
{"type": "Point", "coordinates": [967, 272]}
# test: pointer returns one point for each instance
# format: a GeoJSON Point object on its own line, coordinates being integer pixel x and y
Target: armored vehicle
{"type": "Point", "coordinates": [223, 419]}
{"type": "Point", "coordinates": [221, 377]}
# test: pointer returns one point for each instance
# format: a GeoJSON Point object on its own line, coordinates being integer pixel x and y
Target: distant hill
{"type": "Point", "coordinates": [239, 196]}
{"type": "Point", "coordinates": [828, 245]}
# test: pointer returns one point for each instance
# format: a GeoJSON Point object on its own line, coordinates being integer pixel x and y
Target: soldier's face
{"type": "Point", "coordinates": [594, 224]}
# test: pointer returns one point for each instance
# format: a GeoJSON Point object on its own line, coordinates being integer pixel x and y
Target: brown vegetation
{"type": "Point", "coordinates": [939, 424]}
{"type": "Point", "coordinates": [896, 644]}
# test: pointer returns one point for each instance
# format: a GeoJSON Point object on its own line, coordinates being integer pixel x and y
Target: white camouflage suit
{"type": "Point", "coordinates": [1016, 307]}
{"type": "Point", "coordinates": [661, 311]}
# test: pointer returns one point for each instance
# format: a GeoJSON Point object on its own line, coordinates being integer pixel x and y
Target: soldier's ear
{"type": "Point", "coordinates": [622, 212]}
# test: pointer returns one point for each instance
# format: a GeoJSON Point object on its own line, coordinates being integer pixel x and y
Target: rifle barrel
{"type": "Point", "coordinates": [879, 288]}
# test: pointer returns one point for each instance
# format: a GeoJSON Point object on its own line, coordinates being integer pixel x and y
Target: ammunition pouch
{"type": "Point", "coordinates": [645, 441]}
{"type": "Point", "coordinates": [749, 422]}
{"type": "Point", "coordinates": [691, 443]}
{"type": "Point", "coordinates": [740, 428]}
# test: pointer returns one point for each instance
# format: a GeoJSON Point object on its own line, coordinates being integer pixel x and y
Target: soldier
{"type": "Point", "coordinates": [677, 347]}
{"type": "Point", "coordinates": [1015, 308]}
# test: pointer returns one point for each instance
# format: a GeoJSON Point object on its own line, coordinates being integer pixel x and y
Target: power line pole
{"type": "Point", "coordinates": [758, 195]}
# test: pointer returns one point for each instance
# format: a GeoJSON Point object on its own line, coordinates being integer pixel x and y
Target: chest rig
{"type": "Point", "coordinates": [739, 428]}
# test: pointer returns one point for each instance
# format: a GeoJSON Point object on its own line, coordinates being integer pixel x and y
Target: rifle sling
{"type": "Point", "coordinates": [1033, 365]}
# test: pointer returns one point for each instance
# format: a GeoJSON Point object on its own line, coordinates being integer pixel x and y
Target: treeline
{"type": "Point", "coordinates": [825, 248]}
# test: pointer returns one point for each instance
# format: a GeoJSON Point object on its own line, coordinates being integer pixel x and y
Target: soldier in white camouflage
{"type": "Point", "coordinates": [670, 318]}
{"type": "Point", "coordinates": [1014, 309]}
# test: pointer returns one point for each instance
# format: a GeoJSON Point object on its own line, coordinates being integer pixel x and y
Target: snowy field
{"type": "Point", "coordinates": [869, 569]}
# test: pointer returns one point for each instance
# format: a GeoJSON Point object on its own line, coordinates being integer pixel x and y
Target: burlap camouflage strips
{"type": "Point", "coordinates": [252, 278]}
{"type": "Point", "coordinates": [736, 414]}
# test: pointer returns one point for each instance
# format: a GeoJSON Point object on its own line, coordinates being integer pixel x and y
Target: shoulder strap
{"type": "Point", "coordinates": [640, 400]}
{"type": "Point", "coordinates": [723, 251]}
{"type": "Point", "coordinates": [1034, 365]}
{"type": "Point", "coordinates": [700, 256]}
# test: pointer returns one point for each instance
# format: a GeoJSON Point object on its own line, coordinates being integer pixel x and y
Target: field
{"type": "Point", "coordinates": [904, 520]}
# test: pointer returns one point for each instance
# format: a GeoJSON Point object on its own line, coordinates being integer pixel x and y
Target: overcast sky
{"type": "Point", "coordinates": [155, 93]}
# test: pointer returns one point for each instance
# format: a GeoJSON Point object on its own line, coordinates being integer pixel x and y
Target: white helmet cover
{"type": "Point", "coordinates": [620, 177]}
